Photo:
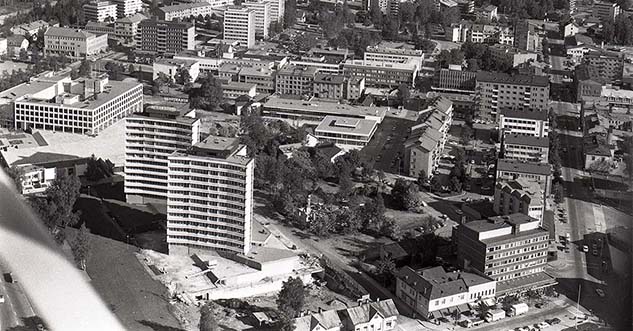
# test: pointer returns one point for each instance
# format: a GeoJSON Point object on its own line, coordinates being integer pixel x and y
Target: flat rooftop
{"type": "Point", "coordinates": [346, 125]}
{"type": "Point", "coordinates": [526, 114]}
{"type": "Point", "coordinates": [524, 167]}
{"type": "Point", "coordinates": [519, 139]}
{"type": "Point", "coordinates": [329, 108]}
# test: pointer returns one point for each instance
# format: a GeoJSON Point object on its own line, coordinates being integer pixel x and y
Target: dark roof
{"type": "Point", "coordinates": [329, 150]}
{"type": "Point", "coordinates": [364, 313]}
{"type": "Point", "coordinates": [519, 139]}
{"type": "Point", "coordinates": [435, 282]}
{"type": "Point", "coordinates": [586, 72]}
{"type": "Point", "coordinates": [329, 78]}
{"type": "Point", "coordinates": [596, 145]}
{"type": "Point", "coordinates": [527, 114]}
{"type": "Point", "coordinates": [524, 167]}
{"type": "Point", "coordinates": [497, 77]}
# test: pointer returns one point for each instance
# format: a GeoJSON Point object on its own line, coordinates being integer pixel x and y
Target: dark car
{"type": "Point", "coordinates": [553, 321]}
{"type": "Point", "coordinates": [8, 277]}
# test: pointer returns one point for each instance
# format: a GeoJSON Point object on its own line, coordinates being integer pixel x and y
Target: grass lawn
{"type": "Point", "coordinates": [136, 299]}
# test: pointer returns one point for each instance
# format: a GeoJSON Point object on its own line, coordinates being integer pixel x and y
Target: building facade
{"type": "Point", "coordinates": [513, 170]}
{"type": "Point", "coordinates": [73, 43]}
{"type": "Point", "coordinates": [526, 148]}
{"type": "Point", "coordinates": [511, 249]}
{"type": "Point", "coordinates": [262, 9]}
{"type": "Point", "coordinates": [347, 133]}
{"type": "Point", "coordinates": [125, 8]}
{"type": "Point", "coordinates": [451, 80]}
{"type": "Point", "coordinates": [85, 106]}
{"type": "Point", "coordinates": [520, 196]}
{"type": "Point", "coordinates": [210, 198]}
{"type": "Point", "coordinates": [292, 80]}
{"type": "Point", "coordinates": [608, 64]}
{"type": "Point", "coordinates": [498, 91]}
{"type": "Point", "coordinates": [150, 137]}
{"type": "Point", "coordinates": [164, 38]}
{"type": "Point", "coordinates": [185, 10]}
{"type": "Point", "coordinates": [527, 123]}
{"type": "Point", "coordinates": [100, 11]}
{"type": "Point", "coordinates": [381, 74]}
{"type": "Point", "coordinates": [606, 11]}
{"type": "Point", "coordinates": [126, 28]}
{"type": "Point", "coordinates": [239, 25]}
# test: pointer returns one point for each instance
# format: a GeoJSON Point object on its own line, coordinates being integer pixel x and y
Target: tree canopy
{"type": "Point", "coordinates": [291, 298]}
{"type": "Point", "coordinates": [208, 96]}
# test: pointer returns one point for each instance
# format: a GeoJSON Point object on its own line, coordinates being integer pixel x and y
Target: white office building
{"type": "Point", "coordinates": [73, 42]}
{"type": "Point", "coordinates": [150, 137]}
{"type": "Point", "coordinates": [100, 11]}
{"type": "Point", "coordinates": [210, 198]}
{"type": "Point", "coordinates": [86, 105]}
{"type": "Point", "coordinates": [239, 25]}
{"type": "Point", "coordinates": [277, 10]}
{"type": "Point", "coordinates": [347, 133]}
{"type": "Point", "coordinates": [262, 10]}
{"type": "Point", "coordinates": [125, 8]}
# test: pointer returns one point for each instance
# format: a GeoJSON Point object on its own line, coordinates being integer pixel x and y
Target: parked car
{"type": "Point", "coordinates": [541, 325]}
{"type": "Point", "coordinates": [1, 298]}
{"type": "Point", "coordinates": [594, 252]}
{"type": "Point", "coordinates": [554, 321]}
{"type": "Point", "coordinates": [585, 248]}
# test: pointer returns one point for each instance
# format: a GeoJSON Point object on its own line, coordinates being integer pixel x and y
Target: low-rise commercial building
{"type": "Point", "coordinates": [528, 123]}
{"type": "Point", "coordinates": [394, 55]}
{"type": "Point", "coordinates": [432, 292]}
{"type": "Point", "coordinates": [233, 90]}
{"type": "Point", "coordinates": [379, 315]}
{"type": "Point", "coordinates": [185, 10]}
{"type": "Point", "coordinates": [312, 112]}
{"type": "Point", "coordinates": [150, 137]}
{"type": "Point", "coordinates": [526, 148]}
{"type": "Point", "coordinates": [73, 42]}
{"type": "Point", "coordinates": [381, 74]}
{"type": "Point", "coordinates": [292, 80]}
{"type": "Point", "coordinates": [347, 133]}
{"type": "Point", "coordinates": [511, 249]}
{"type": "Point", "coordinates": [86, 105]}
{"type": "Point", "coordinates": [31, 28]}
{"type": "Point", "coordinates": [520, 196]}
{"type": "Point", "coordinates": [513, 170]}
{"type": "Point", "coordinates": [210, 198]}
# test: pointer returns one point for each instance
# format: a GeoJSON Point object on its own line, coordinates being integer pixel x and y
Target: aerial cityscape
{"type": "Point", "coordinates": [316, 165]}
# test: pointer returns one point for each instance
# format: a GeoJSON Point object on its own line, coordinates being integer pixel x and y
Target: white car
{"type": "Point", "coordinates": [542, 325]}
{"type": "Point", "coordinates": [1, 298]}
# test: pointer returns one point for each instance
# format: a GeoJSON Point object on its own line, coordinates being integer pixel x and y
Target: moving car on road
{"type": "Point", "coordinates": [1, 298]}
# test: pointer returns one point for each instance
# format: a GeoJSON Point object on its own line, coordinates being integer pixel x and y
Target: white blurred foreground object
{"type": "Point", "coordinates": [57, 289]}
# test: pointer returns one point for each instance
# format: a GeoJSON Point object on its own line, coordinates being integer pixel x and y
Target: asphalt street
{"type": "Point", "coordinates": [16, 305]}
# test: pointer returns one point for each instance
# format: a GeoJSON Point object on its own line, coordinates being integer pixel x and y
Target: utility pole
{"type": "Point", "coordinates": [578, 304]}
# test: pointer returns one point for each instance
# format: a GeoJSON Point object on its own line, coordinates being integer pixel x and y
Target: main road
{"type": "Point", "coordinates": [16, 305]}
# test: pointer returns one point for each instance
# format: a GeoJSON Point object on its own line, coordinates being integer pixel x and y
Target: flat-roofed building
{"type": "Point", "coordinates": [262, 10]}
{"type": "Point", "coordinates": [85, 105]}
{"type": "Point", "coordinates": [499, 91]}
{"type": "Point", "coordinates": [262, 77]}
{"type": "Point", "coordinates": [100, 11]}
{"type": "Point", "coordinates": [126, 28]}
{"type": "Point", "coordinates": [520, 196]}
{"type": "Point", "coordinates": [73, 42]}
{"type": "Point", "coordinates": [277, 10]}
{"type": "Point", "coordinates": [394, 55]}
{"type": "Point", "coordinates": [312, 112]}
{"type": "Point", "coordinates": [606, 11]}
{"type": "Point", "coordinates": [511, 249]}
{"type": "Point", "coordinates": [513, 170]}
{"type": "Point", "coordinates": [293, 80]}
{"type": "Point", "coordinates": [35, 179]}
{"type": "Point", "coordinates": [210, 198]}
{"type": "Point", "coordinates": [172, 68]}
{"type": "Point", "coordinates": [31, 28]}
{"type": "Point", "coordinates": [150, 137]}
{"type": "Point", "coordinates": [588, 82]}
{"type": "Point", "coordinates": [185, 10]}
{"type": "Point", "coordinates": [526, 148]}
{"type": "Point", "coordinates": [382, 74]}
{"type": "Point", "coordinates": [164, 38]}
{"type": "Point", "coordinates": [239, 25]}
{"type": "Point", "coordinates": [608, 64]}
{"type": "Point", "coordinates": [450, 80]}
{"type": "Point", "coordinates": [533, 123]}
{"type": "Point", "coordinates": [347, 133]}
{"type": "Point", "coordinates": [529, 36]}
{"type": "Point", "coordinates": [99, 28]}
{"type": "Point", "coordinates": [430, 291]}
{"type": "Point", "coordinates": [233, 90]}
{"type": "Point", "coordinates": [511, 54]}
{"type": "Point", "coordinates": [125, 8]}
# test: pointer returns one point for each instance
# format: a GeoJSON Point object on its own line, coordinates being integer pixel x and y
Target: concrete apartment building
{"type": "Point", "coordinates": [609, 64]}
{"type": "Point", "coordinates": [210, 198]}
{"type": "Point", "coordinates": [511, 249]}
{"type": "Point", "coordinates": [125, 8]}
{"type": "Point", "coordinates": [277, 10]}
{"type": "Point", "coordinates": [498, 91]}
{"type": "Point", "coordinates": [100, 28]}
{"type": "Point", "coordinates": [382, 74]}
{"type": "Point", "coordinates": [529, 36]}
{"type": "Point", "coordinates": [347, 133]}
{"type": "Point", "coordinates": [73, 42]}
{"type": "Point", "coordinates": [262, 9]}
{"type": "Point", "coordinates": [100, 11]}
{"type": "Point", "coordinates": [519, 196]}
{"type": "Point", "coordinates": [164, 38]}
{"type": "Point", "coordinates": [126, 28]}
{"type": "Point", "coordinates": [262, 77]}
{"type": "Point", "coordinates": [337, 87]}
{"type": "Point", "coordinates": [432, 291]}
{"type": "Point", "coordinates": [527, 123]}
{"type": "Point", "coordinates": [526, 148]}
{"type": "Point", "coordinates": [513, 170]}
{"type": "Point", "coordinates": [86, 105]}
{"type": "Point", "coordinates": [588, 82]}
{"type": "Point", "coordinates": [606, 11]}
{"type": "Point", "coordinates": [511, 54]}
{"type": "Point", "coordinates": [451, 80]}
{"type": "Point", "coordinates": [150, 137]}
{"type": "Point", "coordinates": [480, 33]}
{"type": "Point", "coordinates": [185, 10]}
{"type": "Point", "coordinates": [239, 26]}
{"type": "Point", "coordinates": [292, 80]}
{"type": "Point", "coordinates": [425, 144]}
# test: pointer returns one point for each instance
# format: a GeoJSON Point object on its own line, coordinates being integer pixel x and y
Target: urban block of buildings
{"type": "Point", "coordinates": [379, 315]}
{"type": "Point", "coordinates": [520, 196]}
{"type": "Point", "coordinates": [525, 148]}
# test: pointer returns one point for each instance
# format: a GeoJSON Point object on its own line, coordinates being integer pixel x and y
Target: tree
{"type": "Point", "coordinates": [405, 195]}
{"type": "Point", "coordinates": [559, 192]}
{"type": "Point", "coordinates": [385, 264]}
{"type": "Point", "coordinates": [466, 134]}
{"type": "Point", "coordinates": [403, 93]}
{"type": "Point", "coordinates": [81, 246]}
{"type": "Point", "coordinates": [56, 209]}
{"type": "Point", "coordinates": [84, 68]}
{"type": "Point", "coordinates": [436, 185]}
{"type": "Point", "coordinates": [182, 76]}
{"type": "Point", "coordinates": [208, 321]}
{"type": "Point", "coordinates": [290, 13]}
{"type": "Point", "coordinates": [17, 174]}
{"type": "Point", "coordinates": [291, 297]}
{"type": "Point", "coordinates": [24, 55]}
{"type": "Point", "coordinates": [98, 169]}
{"type": "Point", "coordinates": [456, 184]}
{"type": "Point", "coordinates": [208, 96]}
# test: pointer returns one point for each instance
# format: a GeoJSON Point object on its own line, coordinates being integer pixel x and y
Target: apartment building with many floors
{"type": "Point", "coordinates": [100, 11]}
{"type": "Point", "coordinates": [525, 148]}
{"type": "Point", "coordinates": [150, 137]}
{"type": "Point", "coordinates": [164, 38]}
{"type": "Point", "coordinates": [534, 123]}
{"type": "Point", "coordinates": [239, 25]}
{"type": "Point", "coordinates": [210, 198]}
